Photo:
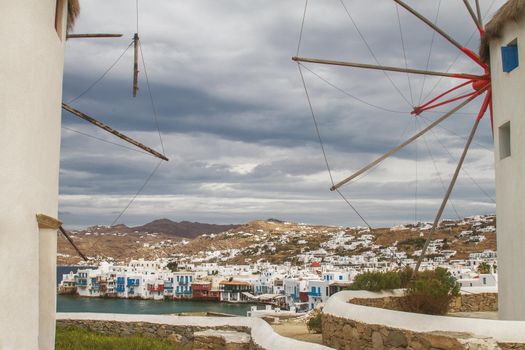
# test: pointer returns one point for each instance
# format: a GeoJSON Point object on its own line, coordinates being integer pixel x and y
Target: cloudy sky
{"type": "Point", "coordinates": [236, 124]}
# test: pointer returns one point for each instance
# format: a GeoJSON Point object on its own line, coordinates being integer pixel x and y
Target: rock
{"type": "Point", "coordinates": [175, 338]}
{"type": "Point", "coordinates": [440, 341]}
{"type": "Point", "coordinates": [377, 341]}
{"type": "Point", "coordinates": [397, 339]}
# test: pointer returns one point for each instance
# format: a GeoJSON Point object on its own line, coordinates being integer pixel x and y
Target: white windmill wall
{"type": "Point", "coordinates": [509, 106]}
{"type": "Point", "coordinates": [31, 62]}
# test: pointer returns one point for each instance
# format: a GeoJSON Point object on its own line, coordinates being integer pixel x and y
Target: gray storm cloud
{"type": "Point", "coordinates": [235, 120]}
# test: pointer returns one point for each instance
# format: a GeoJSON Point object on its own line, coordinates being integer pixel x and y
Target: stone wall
{"type": "Point", "coordinates": [475, 302]}
{"type": "Point", "coordinates": [188, 337]}
{"type": "Point", "coordinates": [347, 334]}
{"type": "Point", "coordinates": [462, 303]}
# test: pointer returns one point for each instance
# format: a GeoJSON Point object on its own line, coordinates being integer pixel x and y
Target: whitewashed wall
{"type": "Point", "coordinates": [509, 105]}
{"type": "Point", "coordinates": [31, 62]}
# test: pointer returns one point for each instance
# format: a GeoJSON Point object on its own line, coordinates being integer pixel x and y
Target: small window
{"type": "Point", "coordinates": [504, 140]}
{"type": "Point", "coordinates": [509, 56]}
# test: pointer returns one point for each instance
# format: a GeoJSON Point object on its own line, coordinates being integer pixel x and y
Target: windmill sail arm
{"type": "Point", "coordinates": [112, 131]}
{"type": "Point", "coordinates": [407, 142]}
{"type": "Point", "coordinates": [450, 39]}
{"type": "Point", "coordinates": [93, 35]}
{"type": "Point", "coordinates": [387, 68]}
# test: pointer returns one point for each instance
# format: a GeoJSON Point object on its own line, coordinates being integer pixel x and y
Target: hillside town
{"type": "Point", "coordinates": [303, 282]}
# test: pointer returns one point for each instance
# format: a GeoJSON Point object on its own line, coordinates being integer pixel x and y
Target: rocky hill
{"type": "Point", "coordinates": [184, 229]}
{"type": "Point", "coordinates": [276, 241]}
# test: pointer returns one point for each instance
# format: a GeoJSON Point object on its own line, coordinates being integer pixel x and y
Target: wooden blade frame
{"type": "Point", "coordinates": [482, 111]}
{"type": "Point", "coordinates": [407, 142]}
{"type": "Point", "coordinates": [135, 64]}
{"type": "Point", "coordinates": [72, 243]}
{"type": "Point", "coordinates": [112, 131]}
{"type": "Point", "coordinates": [472, 14]}
{"type": "Point", "coordinates": [387, 68]}
{"type": "Point", "coordinates": [92, 35]}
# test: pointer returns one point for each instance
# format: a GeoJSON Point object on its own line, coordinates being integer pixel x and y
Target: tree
{"type": "Point", "coordinates": [483, 268]}
{"type": "Point", "coordinates": [172, 265]}
{"type": "Point", "coordinates": [431, 292]}
{"type": "Point", "coordinates": [376, 281]}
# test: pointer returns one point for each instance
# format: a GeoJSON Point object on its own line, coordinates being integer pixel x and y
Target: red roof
{"type": "Point", "coordinates": [315, 264]}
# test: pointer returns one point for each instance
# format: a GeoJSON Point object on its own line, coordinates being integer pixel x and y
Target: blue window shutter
{"type": "Point", "coordinates": [509, 57]}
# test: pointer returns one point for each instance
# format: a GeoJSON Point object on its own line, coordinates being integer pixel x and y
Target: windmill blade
{"type": "Point", "coordinates": [478, 11]}
{"type": "Point", "coordinates": [93, 35]}
{"type": "Point", "coordinates": [407, 142]}
{"type": "Point", "coordinates": [64, 232]}
{"type": "Point", "coordinates": [451, 185]}
{"type": "Point", "coordinates": [450, 39]}
{"type": "Point", "coordinates": [387, 68]}
{"type": "Point", "coordinates": [472, 14]}
{"type": "Point", "coordinates": [135, 64]}
{"type": "Point", "coordinates": [112, 131]}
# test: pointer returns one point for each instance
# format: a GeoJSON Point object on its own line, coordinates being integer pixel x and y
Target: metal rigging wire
{"type": "Point", "coordinates": [350, 95]}
{"type": "Point", "coordinates": [154, 109]}
{"type": "Point", "coordinates": [458, 54]}
{"type": "Point", "coordinates": [155, 117]}
{"type": "Point", "coordinates": [323, 149]}
{"type": "Point", "coordinates": [102, 76]}
{"type": "Point", "coordinates": [137, 193]}
{"type": "Point", "coordinates": [439, 174]}
{"type": "Point", "coordinates": [302, 27]}
{"type": "Point", "coordinates": [455, 133]}
{"type": "Point", "coordinates": [358, 99]}
{"type": "Point", "coordinates": [315, 121]}
{"type": "Point", "coordinates": [462, 168]}
{"type": "Point", "coordinates": [429, 53]}
{"type": "Point", "coordinates": [106, 141]}
{"type": "Point", "coordinates": [372, 52]}
{"type": "Point", "coordinates": [404, 53]}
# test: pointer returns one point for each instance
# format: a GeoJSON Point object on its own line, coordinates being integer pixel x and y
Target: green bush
{"type": "Point", "coordinates": [431, 292]}
{"type": "Point", "coordinates": [376, 281]}
{"type": "Point", "coordinates": [75, 338]}
{"type": "Point", "coordinates": [314, 323]}
{"type": "Point", "coordinates": [484, 268]}
{"type": "Point", "coordinates": [405, 276]}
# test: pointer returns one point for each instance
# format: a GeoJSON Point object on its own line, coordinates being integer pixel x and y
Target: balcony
{"type": "Point", "coordinates": [186, 292]}
{"type": "Point", "coordinates": [81, 282]}
{"type": "Point", "coordinates": [314, 294]}
{"type": "Point", "coordinates": [133, 282]}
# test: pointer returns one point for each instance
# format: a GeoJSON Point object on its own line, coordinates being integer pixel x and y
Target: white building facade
{"type": "Point", "coordinates": [506, 40]}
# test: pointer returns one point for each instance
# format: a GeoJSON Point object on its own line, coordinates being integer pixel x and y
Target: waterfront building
{"type": "Point", "coordinates": [183, 284]}
{"type": "Point", "coordinates": [317, 292]}
{"type": "Point", "coordinates": [232, 290]}
{"type": "Point", "coordinates": [204, 291]}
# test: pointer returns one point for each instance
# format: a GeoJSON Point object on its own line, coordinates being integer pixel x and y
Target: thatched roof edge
{"type": "Point", "coordinates": [511, 11]}
{"type": "Point", "coordinates": [73, 10]}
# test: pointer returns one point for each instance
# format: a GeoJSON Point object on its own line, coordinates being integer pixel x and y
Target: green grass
{"type": "Point", "coordinates": [74, 338]}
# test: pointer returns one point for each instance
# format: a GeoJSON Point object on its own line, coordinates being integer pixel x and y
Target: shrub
{"type": "Point", "coordinates": [314, 323]}
{"type": "Point", "coordinates": [75, 338]}
{"type": "Point", "coordinates": [405, 276]}
{"type": "Point", "coordinates": [484, 268]}
{"type": "Point", "coordinates": [376, 281]}
{"type": "Point", "coordinates": [431, 292]}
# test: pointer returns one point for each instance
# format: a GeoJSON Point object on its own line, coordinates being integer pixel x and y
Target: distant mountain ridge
{"type": "Point", "coordinates": [184, 229]}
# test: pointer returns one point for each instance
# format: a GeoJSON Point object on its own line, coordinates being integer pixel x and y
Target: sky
{"type": "Point", "coordinates": [235, 121]}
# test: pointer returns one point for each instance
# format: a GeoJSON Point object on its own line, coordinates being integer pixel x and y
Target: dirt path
{"type": "Point", "coordinates": [296, 329]}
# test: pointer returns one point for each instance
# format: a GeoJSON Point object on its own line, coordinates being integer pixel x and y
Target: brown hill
{"type": "Point", "coordinates": [184, 229]}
